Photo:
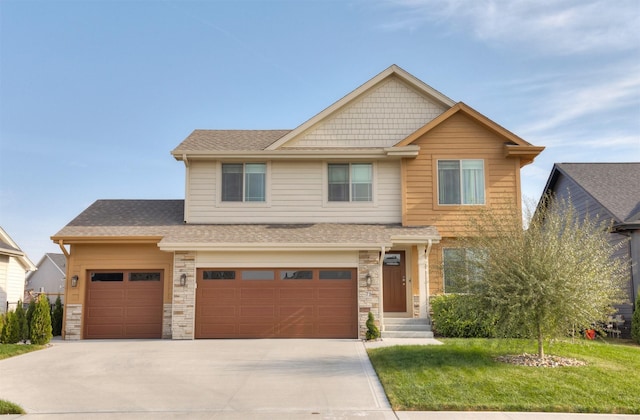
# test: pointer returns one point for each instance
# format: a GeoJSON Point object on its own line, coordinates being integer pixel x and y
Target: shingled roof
{"type": "Point", "coordinates": [162, 220]}
{"type": "Point", "coordinates": [228, 140]}
{"type": "Point", "coordinates": [616, 186]}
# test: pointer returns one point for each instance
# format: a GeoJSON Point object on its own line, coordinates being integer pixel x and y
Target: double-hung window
{"type": "Point", "coordinates": [350, 181]}
{"type": "Point", "coordinates": [461, 268]}
{"type": "Point", "coordinates": [461, 181]}
{"type": "Point", "coordinates": [243, 181]}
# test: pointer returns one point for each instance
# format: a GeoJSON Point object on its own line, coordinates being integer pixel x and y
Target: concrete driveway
{"type": "Point", "coordinates": [243, 379]}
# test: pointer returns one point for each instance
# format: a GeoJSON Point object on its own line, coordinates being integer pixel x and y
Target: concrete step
{"type": "Point", "coordinates": [407, 321]}
{"type": "Point", "coordinates": [407, 334]}
{"type": "Point", "coordinates": [407, 328]}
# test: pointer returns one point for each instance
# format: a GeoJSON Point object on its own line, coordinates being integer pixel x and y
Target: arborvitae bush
{"type": "Point", "coordinates": [635, 322]}
{"type": "Point", "coordinates": [10, 330]}
{"type": "Point", "coordinates": [30, 310]}
{"type": "Point", "coordinates": [56, 317]}
{"type": "Point", "coordinates": [373, 332]}
{"type": "Point", "coordinates": [23, 326]}
{"type": "Point", "coordinates": [40, 331]}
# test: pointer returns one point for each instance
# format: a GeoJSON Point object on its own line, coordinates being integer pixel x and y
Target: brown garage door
{"type": "Point", "coordinates": [124, 304]}
{"type": "Point", "coordinates": [280, 303]}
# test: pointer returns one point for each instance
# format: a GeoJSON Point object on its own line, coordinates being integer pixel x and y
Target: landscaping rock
{"type": "Point", "coordinates": [534, 361]}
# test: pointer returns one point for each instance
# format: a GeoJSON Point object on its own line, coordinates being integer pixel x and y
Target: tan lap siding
{"type": "Point", "coordinates": [457, 138]}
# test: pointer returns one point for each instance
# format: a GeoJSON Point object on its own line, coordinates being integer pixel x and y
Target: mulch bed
{"type": "Point", "coordinates": [534, 361]}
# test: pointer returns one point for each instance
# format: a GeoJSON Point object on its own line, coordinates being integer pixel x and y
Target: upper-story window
{"type": "Point", "coordinates": [461, 181]}
{"type": "Point", "coordinates": [243, 181]}
{"type": "Point", "coordinates": [350, 181]}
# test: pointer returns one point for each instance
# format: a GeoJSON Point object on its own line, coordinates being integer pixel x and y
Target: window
{"type": "Point", "coordinates": [350, 181]}
{"type": "Point", "coordinates": [459, 269]}
{"type": "Point", "coordinates": [461, 181]}
{"type": "Point", "coordinates": [258, 275]}
{"type": "Point", "coordinates": [218, 275]}
{"type": "Point", "coordinates": [243, 181]}
{"type": "Point", "coordinates": [145, 276]}
{"type": "Point", "coordinates": [335, 274]}
{"type": "Point", "coordinates": [115, 276]}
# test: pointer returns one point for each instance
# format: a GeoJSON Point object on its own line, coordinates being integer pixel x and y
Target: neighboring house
{"type": "Point", "coordinates": [14, 265]}
{"type": "Point", "coordinates": [48, 279]}
{"type": "Point", "coordinates": [297, 233]}
{"type": "Point", "coordinates": [610, 191]}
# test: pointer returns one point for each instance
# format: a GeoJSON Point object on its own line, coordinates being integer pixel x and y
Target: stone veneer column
{"type": "Point", "coordinates": [184, 297]}
{"type": "Point", "coordinates": [73, 321]}
{"type": "Point", "coordinates": [167, 312]}
{"type": "Point", "coordinates": [368, 296]}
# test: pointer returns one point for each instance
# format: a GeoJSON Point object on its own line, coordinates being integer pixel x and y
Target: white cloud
{"type": "Point", "coordinates": [550, 26]}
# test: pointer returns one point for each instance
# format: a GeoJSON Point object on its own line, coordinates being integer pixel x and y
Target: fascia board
{"type": "Point", "coordinates": [185, 246]}
{"type": "Point", "coordinates": [373, 153]}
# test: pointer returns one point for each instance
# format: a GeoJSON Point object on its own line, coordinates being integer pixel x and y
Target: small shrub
{"type": "Point", "coordinates": [56, 317]}
{"type": "Point", "coordinates": [635, 322]}
{"type": "Point", "coordinates": [40, 331]}
{"type": "Point", "coordinates": [373, 332]}
{"type": "Point", "coordinates": [30, 310]}
{"type": "Point", "coordinates": [23, 327]}
{"type": "Point", "coordinates": [454, 316]}
{"type": "Point", "coordinates": [11, 329]}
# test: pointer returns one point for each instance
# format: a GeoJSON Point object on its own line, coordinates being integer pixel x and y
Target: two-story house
{"type": "Point", "coordinates": [14, 265]}
{"type": "Point", "coordinates": [296, 233]}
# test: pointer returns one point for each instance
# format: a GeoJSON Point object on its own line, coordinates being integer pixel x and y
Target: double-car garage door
{"type": "Point", "coordinates": [280, 303]}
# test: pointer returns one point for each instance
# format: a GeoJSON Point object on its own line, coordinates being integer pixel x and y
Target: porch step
{"type": "Point", "coordinates": [407, 328]}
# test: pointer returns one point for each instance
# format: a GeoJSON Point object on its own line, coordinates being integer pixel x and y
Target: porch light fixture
{"type": "Point", "coordinates": [74, 281]}
{"type": "Point", "coordinates": [183, 279]}
{"type": "Point", "coordinates": [368, 279]}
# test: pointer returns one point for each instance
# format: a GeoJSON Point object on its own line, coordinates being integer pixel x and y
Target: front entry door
{"type": "Point", "coordinates": [394, 284]}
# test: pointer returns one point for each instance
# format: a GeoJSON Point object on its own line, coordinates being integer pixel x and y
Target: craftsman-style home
{"type": "Point", "coordinates": [297, 233]}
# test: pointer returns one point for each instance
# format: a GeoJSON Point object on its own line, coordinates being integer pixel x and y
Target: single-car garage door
{"type": "Point", "coordinates": [280, 303]}
{"type": "Point", "coordinates": [124, 304]}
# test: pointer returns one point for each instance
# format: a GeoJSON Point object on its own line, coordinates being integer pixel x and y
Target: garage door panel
{"type": "Point", "coordinates": [124, 304]}
{"type": "Point", "coordinates": [260, 293]}
{"type": "Point", "coordinates": [251, 330]}
{"type": "Point", "coordinates": [301, 293]}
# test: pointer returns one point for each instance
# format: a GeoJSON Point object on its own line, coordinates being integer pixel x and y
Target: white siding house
{"type": "Point", "coordinates": [14, 265]}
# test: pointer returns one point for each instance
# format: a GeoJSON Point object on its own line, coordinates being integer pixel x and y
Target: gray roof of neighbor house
{"type": "Point", "coordinates": [58, 259]}
{"type": "Point", "coordinates": [616, 186]}
{"type": "Point", "coordinates": [163, 219]}
{"type": "Point", "coordinates": [228, 140]}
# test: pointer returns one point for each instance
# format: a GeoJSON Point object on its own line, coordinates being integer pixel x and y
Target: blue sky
{"type": "Point", "coordinates": [95, 93]}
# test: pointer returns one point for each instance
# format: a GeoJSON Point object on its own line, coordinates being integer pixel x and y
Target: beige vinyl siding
{"type": "Point", "coordinates": [302, 259]}
{"type": "Point", "coordinates": [382, 117]}
{"type": "Point", "coordinates": [457, 138]}
{"type": "Point", "coordinates": [296, 193]}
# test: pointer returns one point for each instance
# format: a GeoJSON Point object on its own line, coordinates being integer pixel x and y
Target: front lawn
{"type": "Point", "coordinates": [463, 375]}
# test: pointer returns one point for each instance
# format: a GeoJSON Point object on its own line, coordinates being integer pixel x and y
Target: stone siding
{"type": "Point", "coordinates": [73, 321]}
{"type": "Point", "coordinates": [368, 296]}
{"type": "Point", "coordinates": [184, 297]}
{"type": "Point", "coordinates": [167, 312]}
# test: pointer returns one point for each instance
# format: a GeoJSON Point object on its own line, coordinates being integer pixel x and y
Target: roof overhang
{"type": "Point", "coordinates": [72, 240]}
{"type": "Point", "coordinates": [307, 154]}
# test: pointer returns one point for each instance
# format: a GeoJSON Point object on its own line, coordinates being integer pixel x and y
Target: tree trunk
{"type": "Point", "coordinates": [540, 342]}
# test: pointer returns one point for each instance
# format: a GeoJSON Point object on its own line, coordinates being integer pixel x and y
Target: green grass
{"type": "Point", "coordinates": [6, 351]}
{"type": "Point", "coordinates": [7, 407]}
{"type": "Point", "coordinates": [463, 375]}
{"type": "Point", "coordinates": [10, 350]}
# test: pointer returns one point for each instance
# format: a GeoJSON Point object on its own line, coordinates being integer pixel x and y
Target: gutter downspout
{"type": "Point", "coordinates": [66, 279]}
{"type": "Point", "coordinates": [380, 297]}
{"type": "Point", "coordinates": [426, 276]}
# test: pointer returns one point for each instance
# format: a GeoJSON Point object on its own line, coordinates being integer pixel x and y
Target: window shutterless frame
{"type": "Point", "coordinates": [243, 182]}
{"type": "Point", "coordinates": [460, 181]}
{"type": "Point", "coordinates": [350, 182]}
